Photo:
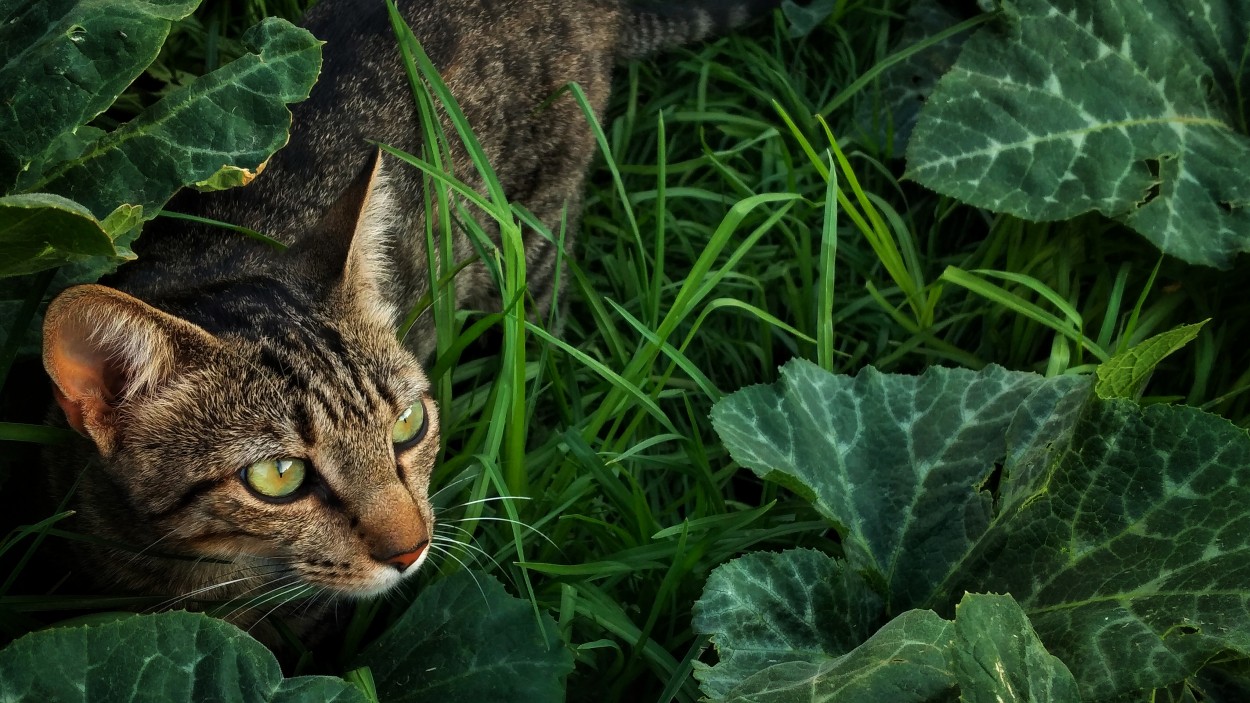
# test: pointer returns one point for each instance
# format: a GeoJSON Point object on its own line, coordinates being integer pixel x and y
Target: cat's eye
{"type": "Point", "coordinates": [410, 427]}
{"type": "Point", "coordinates": [275, 478]}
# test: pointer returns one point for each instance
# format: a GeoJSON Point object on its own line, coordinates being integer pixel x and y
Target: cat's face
{"type": "Point", "coordinates": [288, 450]}
{"type": "Point", "coordinates": [278, 421]}
{"type": "Point", "coordinates": [312, 449]}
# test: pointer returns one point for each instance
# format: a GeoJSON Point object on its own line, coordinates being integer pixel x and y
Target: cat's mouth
{"type": "Point", "coordinates": [385, 578]}
{"type": "Point", "coordinates": [363, 581]}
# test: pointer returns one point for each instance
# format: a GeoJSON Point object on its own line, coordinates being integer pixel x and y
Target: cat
{"type": "Point", "coordinates": [249, 422]}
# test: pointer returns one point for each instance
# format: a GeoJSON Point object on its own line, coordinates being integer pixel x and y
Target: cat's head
{"type": "Point", "coordinates": [287, 422]}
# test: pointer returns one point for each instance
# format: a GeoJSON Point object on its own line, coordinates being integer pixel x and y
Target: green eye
{"type": "Point", "coordinates": [275, 478]}
{"type": "Point", "coordinates": [410, 426]}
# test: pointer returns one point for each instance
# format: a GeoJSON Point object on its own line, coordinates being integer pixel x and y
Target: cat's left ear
{"type": "Point", "coordinates": [352, 246]}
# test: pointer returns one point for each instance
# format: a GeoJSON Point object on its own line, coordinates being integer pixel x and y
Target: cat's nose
{"type": "Point", "coordinates": [402, 560]}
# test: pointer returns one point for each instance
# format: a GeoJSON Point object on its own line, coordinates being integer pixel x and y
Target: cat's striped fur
{"type": "Point", "coordinates": [214, 351]}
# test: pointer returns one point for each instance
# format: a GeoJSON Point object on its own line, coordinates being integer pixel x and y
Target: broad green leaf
{"type": "Point", "coordinates": [904, 662]}
{"type": "Point", "coordinates": [67, 146]}
{"type": "Point", "coordinates": [225, 122]}
{"type": "Point", "coordinates": [997, 657]}
{"type": "Point", "coordinates": [1121, 530]}
{"type": "Point", "coordinates": [40, 231]}
{"type": "Point", "coordinates": [896, 462]}
{"type": "Point", "coordinates": [62, 62]}
{"type": "Point", "coordinates": [1125, 374]}
{"type": "Point", "coordinates": [764, 609]}
{"type": "Point", "coordinates": [1129, 552]}
{"type": "Point", "coordinates": [164, 658]}
{"type": "Point", "coordinates": [1132, 108]}
{"type": "Point", "coordinates": [787, 627]}
{"type": "Point", "coordinates": [466, 639]}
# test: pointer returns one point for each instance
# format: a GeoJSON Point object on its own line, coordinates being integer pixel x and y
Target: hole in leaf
{"type": "Point", "coordinates": [1182, 629]}
{"type": "Point", "coordinates": [1154, 167]}
{"type": "Point", "coordinates": [1226, 206]}
{"type": "Point", "coordinates": [991, 483]}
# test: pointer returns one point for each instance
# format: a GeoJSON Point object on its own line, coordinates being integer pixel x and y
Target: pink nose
{"type": "Point", "coordinates": [404, 560]}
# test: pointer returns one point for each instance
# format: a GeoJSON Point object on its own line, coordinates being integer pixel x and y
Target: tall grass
{"type": "Point", "coordinates": [739, 215]}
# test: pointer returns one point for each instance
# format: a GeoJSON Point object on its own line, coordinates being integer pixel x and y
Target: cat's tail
{"type": "Point", "coordinates": [655, 26]}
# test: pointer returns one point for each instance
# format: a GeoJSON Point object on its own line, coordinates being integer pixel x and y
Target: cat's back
{"type": "Point", "coordinates": [503, 61]}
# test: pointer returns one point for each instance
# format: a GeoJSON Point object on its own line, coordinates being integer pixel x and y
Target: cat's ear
{"type": "Point", "coordinates": [102, 347]}
{"type": "Point", "coordinates": [353, 242]}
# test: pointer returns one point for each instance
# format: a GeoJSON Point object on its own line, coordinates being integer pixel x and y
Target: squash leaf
{"type": "Point", "coordinates": [1133, 108]}
{"type": "Point", "coordinates": [161, 658]}
{"type": "Point", "coordinates": [903, 662]}
{"type": "Point", "coordinates": [997, 657]}
{"type": "Point", "coordinates": [895, 461]}
{"type": "Point", "coordinates": [1120, 530]}
{"type": "Point", "coordinates": [62, 62]}
{"type": "Point", "coordinates": [766, 609]}
{"type": "Point", "coordinates": [466, 639]}
{"type": "Point", "coordinates": [41, 229]}
{"type": "Point", "coordinates": [231, 119]}
{"type": "Point", "coordinates": [63, 180]}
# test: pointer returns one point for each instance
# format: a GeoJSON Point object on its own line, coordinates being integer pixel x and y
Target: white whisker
{"type": "Point", "coordinates": [509, 520]}
{"type": "Point", "coordinates": [445, 550]}
{"type": "Point", "coordinates": [249, 603]}
{"type": "Point", "coordinates": [271, 570]}
{"type": "Point", "coordinates": [457, 482]}
{"type": "Point", "coordinates": [160, 539]}
{"type": "Point", "coordinates": [466, 545]}
{"type": "Point", "coordinates": [464, 566]}
{"type": "Point", "coordinates": [290, 594]}
{"type": "Point", "coordinates": [485, 500]}
{"type": "Point", "coordinates": [308, 604]}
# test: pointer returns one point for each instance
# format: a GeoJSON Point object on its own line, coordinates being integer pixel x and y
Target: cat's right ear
{"type": "Point", "coordinates": [102, 347]}
{"type": "Point", "coordinates": [352, 246]}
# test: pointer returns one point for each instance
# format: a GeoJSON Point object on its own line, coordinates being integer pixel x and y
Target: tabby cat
{"type": "Point", "coordinates": [248, 417]}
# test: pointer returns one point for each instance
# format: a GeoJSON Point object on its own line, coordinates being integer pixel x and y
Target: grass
{"type": "Point", "coordinates": [741, 214]}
